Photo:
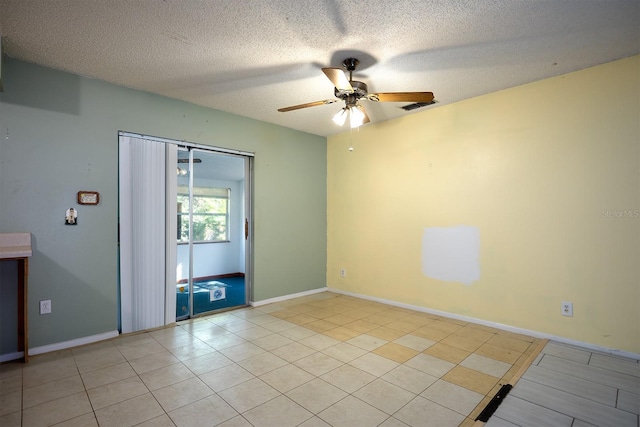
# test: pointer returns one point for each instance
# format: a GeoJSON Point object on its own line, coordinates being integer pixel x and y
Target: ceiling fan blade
{"type": "Point", "coordinates": [401, 97]}
{"type": "Point", "coordinates": [308, 104]}
{"type": "Point", "coordinates": [338, 78]}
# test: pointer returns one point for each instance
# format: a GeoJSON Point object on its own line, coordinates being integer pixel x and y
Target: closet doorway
{"type": "Point", "coordinates": [184, 230]}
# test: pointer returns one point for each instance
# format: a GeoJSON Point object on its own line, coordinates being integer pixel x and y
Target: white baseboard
{"type": "Point", "coordinates": [11, 356]}
{"type": "Point", "coordinates": [72, 343]}
{"type": "Point", "coordinates": [287, 297]}
{"type": "Point", "coordinates": [535, 334]}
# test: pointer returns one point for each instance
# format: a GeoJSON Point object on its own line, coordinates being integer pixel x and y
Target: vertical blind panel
{"type": "Point", "coordinates": [147, 236]}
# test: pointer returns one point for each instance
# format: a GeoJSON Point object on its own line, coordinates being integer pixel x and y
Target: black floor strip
{"type": "Point", "coordinates": [495, 402]}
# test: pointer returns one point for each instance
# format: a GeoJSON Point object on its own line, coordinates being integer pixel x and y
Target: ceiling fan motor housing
{"type": "Point", "coordinates": [359, 91]}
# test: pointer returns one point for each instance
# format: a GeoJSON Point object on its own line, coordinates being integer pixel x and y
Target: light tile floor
{"type": "Point", "coordinates": [321, 360]}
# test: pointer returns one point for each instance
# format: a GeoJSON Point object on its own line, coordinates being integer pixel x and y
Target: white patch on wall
{"type": "Point", "coordinates": [451, 254]}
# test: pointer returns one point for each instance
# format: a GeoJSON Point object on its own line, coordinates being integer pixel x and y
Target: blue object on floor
{"type": "Point", "coordinates": [234, 291]}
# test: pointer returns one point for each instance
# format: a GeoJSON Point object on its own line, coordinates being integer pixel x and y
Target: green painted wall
{"type": "Point", "coordinates": [59, 135]}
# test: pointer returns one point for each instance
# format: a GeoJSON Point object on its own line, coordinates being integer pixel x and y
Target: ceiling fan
{"type": "Point", "coordinates": [352, 91]}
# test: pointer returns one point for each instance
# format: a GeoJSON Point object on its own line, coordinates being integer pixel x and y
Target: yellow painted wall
{"type": "Point", "coordinates": [548, 172]}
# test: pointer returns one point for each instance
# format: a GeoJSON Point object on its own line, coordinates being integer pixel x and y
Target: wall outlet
{"type": "Point", "coordinates": [343, 272]}
{"type": "Point", "coordinates": [45, 306]}
{"type": "Point", "coordinates": [567, 308]}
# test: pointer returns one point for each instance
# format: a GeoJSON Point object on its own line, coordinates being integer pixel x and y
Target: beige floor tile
{"type": "Point", "coordinates": [486, 365]}
{"type": "Point", "coordinates": [379, 319]}
{"type": "Point", "coordinates": [49, 369]}
{"type": "Point", "coordinates": [238, 421]}
{"type": "Point", "coordinates": [477, 334]}
{"type": "Point", "coordinates": [87, 420]}
{"type": "Point", "coordinates": [403, 326]}
{"type": "Point", "coordinates": [360, 312]}
{"type": "Point", "coordinates": [97, 357]}
{"type": "Point", "coordinates": [10, 402]}
{"type": "Point", "coordinates": [386, 333]}
{"type": "Point", "coordinates": [430, 333]}
{"type": "Point", "coordinates": [409, 379]}
{"type": "Point", "coordinates": [341, 333]}
{"type": "Point", "coordinates": [414, 342]}
{"type": "Point", "coordinates": [51, 391]}
{"type": "Point", "coordinates": [463, 343]}
{"type": "Point", "coordinates": [254, 333]}
{"type": "Point", "coordinates": [10, 384]}
{"type": "Point", "coordinates": [225, 341]}
{"type": "Point", "coordinates": [262, 363]}
{"type": "Point", "coordinates": [362, 326]}
{"type": "Point", "coordinates": [166, 376]}
{"type": "Point", "coordinates": [281, 412]}
{"type": "Point", "coordinates": [297, 333]}
{"type": "Point", "coordinates": [471, 379]}
{"type": "Point", "coordinates": [316, 395]}
{"type": "Point", "coordinates": [374, 364]}
{"type": "Point", "coordinates": [249, 394]}
{"type": "Point", "coordinates": [226, 377]}
{"type": "Point", "coordinates": [344, 352]}
{"type": "Point", "coordinates": [103, 376]}
{"type": "Point", "coordinates": [447, 352]}
{"type": "Point", "coordinates": [348, 378]}
{"type": "Point", "coordinates": [13, 419]}
{"type": "Point", "coordinates": [189, 351]}
{"type": "Point", "coordinates": [498, 353]}
{"type": "Point", "coordinates": [319, 342]}
{"type": "Point", "coordinates": [385, 396]}
{"type": "Point", "coordinates": [367, 342]}
{"type": "Point", "coordinates": [153, 362]}
{"type": "Point", "coordinates": [209, 411]}
{"type": "Point", "coordinates": [517, 336]}
{"type": "Point", "coordinates": [352, 412]}
{"type": "Point", "coordinates": [340, 319]}
{"type": "Point", "coordinates": [279, 325]}
{"type": "Point", "coordinates": [181, 394]}
{"type": "Point", "coordinates": [445, 326]}
{"type": "Point", "coordinates": [318, 364]}
{"type": "Point", "coordinates": [286, 378]}
{"type": "Point", "coordinates": [57, 411]}
{"type": "Point", "coordinates": [396, 352]}
{"type": "Point", "coordinates": [242, 351]}
{"type": "Point", "coordinates": [321, 325]}
{"type": "Point", "coordinates": [415, 413]}
{"type": "Point", "coordinates": [301, 319]}
{"type": "Point", "coordinates": [453, 396]}
{"type": "Point", "coordinates": [116, 392]}
{"type": "Point", "coordinates": [510, 343]}
{"type": "Point", "coordinates": [430, 365]}
{"type": "Point", "coordinates": [284, 314]}
{"type": "Point", "coordinates": [419, 319]}
{"type": "Point", "coordinates": [294, 351]}
{"type": "Point", "coordinates": [162, 421]}
{"type": "Point", "coordinates": [133, 351]}
{"type": "Point", "coordinates": [207, 363]}
{"type": "Point", "coordinates": [320, 313]}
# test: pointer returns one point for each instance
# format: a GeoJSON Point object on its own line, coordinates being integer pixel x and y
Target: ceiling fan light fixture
{"type": "Point", "coordinates": [340, 117]}
{"type": "Point", "coordinates": [356, 116]}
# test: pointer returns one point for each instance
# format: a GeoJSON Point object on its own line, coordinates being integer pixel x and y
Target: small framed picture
{"type": "Point", "coordinates": [88, 197]}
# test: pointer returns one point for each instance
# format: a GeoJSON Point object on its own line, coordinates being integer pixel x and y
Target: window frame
{"type": "Point", "coordinates": [204, 193]}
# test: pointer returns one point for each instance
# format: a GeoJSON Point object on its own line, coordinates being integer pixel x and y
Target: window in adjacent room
{"type": "Point", "coordinates": [210, 214]}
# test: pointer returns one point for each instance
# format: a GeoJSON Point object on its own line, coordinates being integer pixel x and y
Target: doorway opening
{"type": "Point", "coordinates": [184, 242]}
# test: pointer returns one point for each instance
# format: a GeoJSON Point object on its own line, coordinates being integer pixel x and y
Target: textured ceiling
{"type": "Point", "coordinates": [251, 57]}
